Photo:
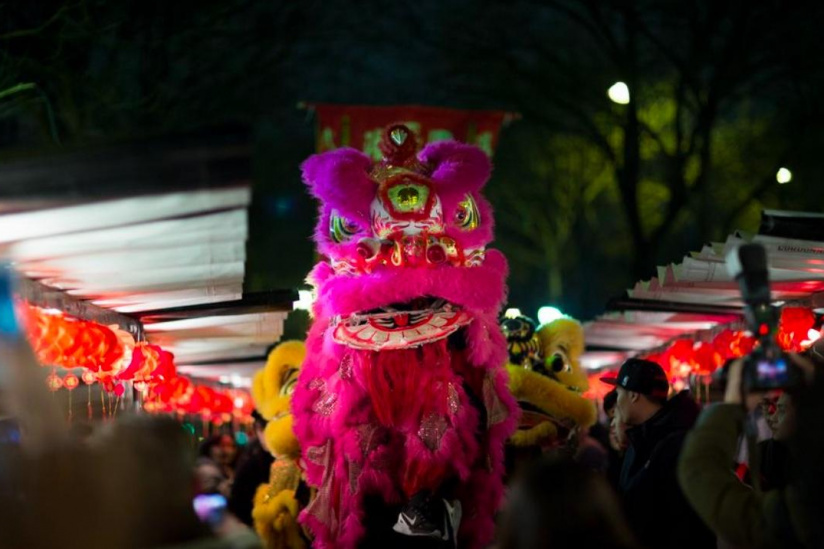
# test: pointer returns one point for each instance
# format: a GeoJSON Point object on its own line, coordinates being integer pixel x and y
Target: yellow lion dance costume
{"type": "Point", "coordinates": [547, 380]}
{"type": "Point", "coordinates": [276, 505]}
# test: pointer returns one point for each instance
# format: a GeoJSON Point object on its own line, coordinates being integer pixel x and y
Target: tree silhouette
{"type": "Point", "coordinates": [702, 76]}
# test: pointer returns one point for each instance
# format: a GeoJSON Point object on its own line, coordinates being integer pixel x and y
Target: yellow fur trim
{"type": "Point", "coordinates": [275, 518]}
{"type": "Point", "coordinates": [536, 436]}
{"type": "Point", "coordinates": [281, 438]}
{"type": "Point", "coordinates": [267, 381]}
{"type": "Point", "coordinates": [567, 330]}
{"type": "Point", "coordinates": [259, 394]}
{"type": "Point", "coordinates": [551, 397]}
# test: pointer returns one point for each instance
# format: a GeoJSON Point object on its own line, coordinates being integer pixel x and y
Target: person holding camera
{"type": "Point", "coordinates": [656, 508]}
{"type": "Point", "coordinates": [741, 514]}
{"type": "Point", "coordinates": [789, 516]}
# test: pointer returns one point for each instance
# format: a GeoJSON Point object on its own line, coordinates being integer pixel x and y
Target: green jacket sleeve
{"type": "Point", "coordinates": [734, 511]}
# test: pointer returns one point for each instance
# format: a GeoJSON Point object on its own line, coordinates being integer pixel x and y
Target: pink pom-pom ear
{"type": "Point", "coordinates": [340, 180]}
{"type": "Point", "coordinates": [457, 167]}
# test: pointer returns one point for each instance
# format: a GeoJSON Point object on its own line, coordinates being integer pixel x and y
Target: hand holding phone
{"type": "Point", "coordinates": [733, 393]}
{"type": "Point", "coordinates": [210, 508]}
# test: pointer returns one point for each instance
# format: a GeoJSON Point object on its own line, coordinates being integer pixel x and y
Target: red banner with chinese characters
{"type": "Point", "coordinates": [361, 126]}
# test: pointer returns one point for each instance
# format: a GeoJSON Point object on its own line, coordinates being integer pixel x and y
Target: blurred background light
{"type": "Point", "coordinates": [619, 93]}
{"type": "Point", "coordinates": [547, 314]}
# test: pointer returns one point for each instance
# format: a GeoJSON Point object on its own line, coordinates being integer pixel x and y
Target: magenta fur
{"type": "Point", "coordinates": [347, 454]}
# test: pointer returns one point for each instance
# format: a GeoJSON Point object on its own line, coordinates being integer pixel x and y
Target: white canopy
{"type": "Point", "coordinates": [697, 297]}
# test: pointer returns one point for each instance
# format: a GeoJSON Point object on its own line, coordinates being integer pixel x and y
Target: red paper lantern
{"type": "Point", "coordinates": [742, 344]}
{"type": "Point", "coordinates": [201, 401]}
{"type": "Point", "coordinates": [222, 403]}
{"type": "Point", "coordinates": [707, 359]}
{"type": "Point", "coordinates": [143, 362]}
{"type": "Point", "coordinates": [88, 377]}
{"type": "Point", "coordinates": [54, 382]}
{"type": "Point", "coordinates": [680, 358]}
{"type": "Point", "coordinates": [723, 344]}
{"type": "Point", "coordinates": [71, 382]}
{"type": "Point", "coordinates": [165, 369]}
{"type": "Point", "coordinates": [657, 358]}
{"type": "Point", "coordinates": [597, 388]}
{"type": "Point", "coordinates": [60, 340]}
{"type": "Point", "coordinates": [793, 327]}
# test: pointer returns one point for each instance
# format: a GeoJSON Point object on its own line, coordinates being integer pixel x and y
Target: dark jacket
{"type": "Point", "coordinates": [740, 514]}
{"type": "Point", "coordinates": [252, 471]}
{"type": "Point", "coordinates": [656, 508]}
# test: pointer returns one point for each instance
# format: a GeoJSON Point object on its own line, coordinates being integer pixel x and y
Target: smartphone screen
{"type": "Point", "coordinates": [773, 373]}
{"type": "Point", "coordinates": [210, 508]}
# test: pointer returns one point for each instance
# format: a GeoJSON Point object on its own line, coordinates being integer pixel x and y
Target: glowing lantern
{"type": "Point", "coordinates": [597, 388]}
{"type": "Point", "coordinates": [222, 403]}
{"type": "Point", "coordinates": [143, 362]}
{"type": "Point", "coordinates": [54, 382]}
{"type": "Point", "coordinates": [680, 358]}
{"type": "Point", "coordinates": [165, 369]}
{"type": "Point", "coordinates": [794, 327]}
{"type": "Point", "coordinates": [71, 382]}
{"type": "Point", "coordinates": [723, 344]}
{"type": "Point", "coordinates": [707, 359]}
{"type": "Point", "coordinates": [88, 377]}
{"type": "Point", "coordinates": [201, 401]}
{"type": "Point", "coordinates": [658, 358]}
{"type": "Point", "coordinates": [60, 340]}
{"type": "Point", "coordinates": [742, 344]}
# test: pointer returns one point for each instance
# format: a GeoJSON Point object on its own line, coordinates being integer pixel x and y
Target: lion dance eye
{"type": "Point", "coordinates": [467, 216]}
{"type": "Point", "coordinates": [288, 382]}
{"type": "Point", "coordinates": [341, 229]}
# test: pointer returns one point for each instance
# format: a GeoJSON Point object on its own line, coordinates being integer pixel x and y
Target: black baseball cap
{"type": "Point", "coordinates": [641, 376]}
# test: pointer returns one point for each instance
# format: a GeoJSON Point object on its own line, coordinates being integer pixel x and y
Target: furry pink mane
{"type": "Point", "coordinates": [408, 228]}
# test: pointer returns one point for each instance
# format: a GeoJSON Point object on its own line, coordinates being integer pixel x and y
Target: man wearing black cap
{"type": "Point", "coordinates": [656, 508]}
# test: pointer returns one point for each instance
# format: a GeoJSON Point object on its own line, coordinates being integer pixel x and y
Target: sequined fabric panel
{"type": "Point", "coordinates": [432, 430]}
{"type": "Point", "coordinates": [495, 408]}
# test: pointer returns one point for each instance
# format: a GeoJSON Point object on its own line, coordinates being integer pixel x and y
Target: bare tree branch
{"type": "Point", "coordinates": [23, 33]}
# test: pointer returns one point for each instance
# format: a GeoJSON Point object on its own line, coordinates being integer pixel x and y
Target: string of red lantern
{"type": "Point", "coordinates": [181, 396]}
{"type": "Point", "coordinates": [684, 357]}
{"type": "Point", "coordinates": [67, 342]}
{"type": "Point", "coordinates": [110, 356]}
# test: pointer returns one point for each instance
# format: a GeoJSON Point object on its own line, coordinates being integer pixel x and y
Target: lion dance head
{"type": "Point", "coordinates": [276, 505]}
{"type": "Point", "coordinates": [404, 355]}
{"type": "Point", "coordinates": [546, 378]}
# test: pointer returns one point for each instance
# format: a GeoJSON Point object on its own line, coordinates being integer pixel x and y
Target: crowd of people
{"type": "Point", "coordinates": [679, 476]}
{"type": "Point", "coordinates": [674, 475]}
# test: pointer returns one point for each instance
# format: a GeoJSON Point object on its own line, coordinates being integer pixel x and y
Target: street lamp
{"type": "Point", "coordinates": [783, 176]}
{"type": "Point", "coordinates": [619, 93]}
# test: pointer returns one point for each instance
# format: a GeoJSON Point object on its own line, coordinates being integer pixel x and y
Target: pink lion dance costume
{"type": "Point", "coordinates": [404, 390]}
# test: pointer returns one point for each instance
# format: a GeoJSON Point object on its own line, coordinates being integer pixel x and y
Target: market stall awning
{"type": "Point", "coordinates": [150, 236]}
{"type": "Point", "coordinates": [697, 297]}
